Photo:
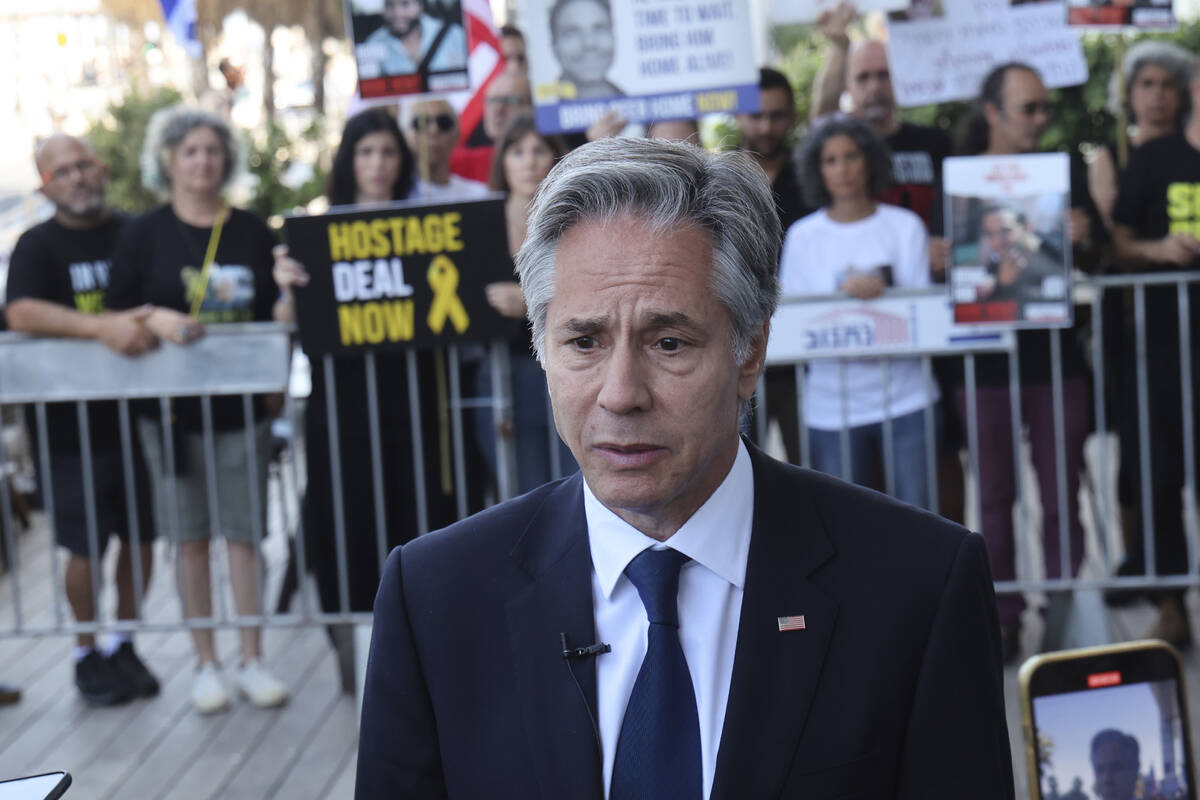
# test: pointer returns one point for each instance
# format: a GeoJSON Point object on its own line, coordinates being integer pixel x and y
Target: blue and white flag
{"type": "Point", "coordinates": [181, 22]}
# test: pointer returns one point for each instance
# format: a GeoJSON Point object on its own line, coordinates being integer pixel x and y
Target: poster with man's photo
{"type": "Point", "coordinates": [1155, 15]}
{"type": "Point", "coordinates": [646, 61]}
{"type": "Point", "coordinates": [408, 46]}
{"type": "Point", "coordinates": [1010, 247]}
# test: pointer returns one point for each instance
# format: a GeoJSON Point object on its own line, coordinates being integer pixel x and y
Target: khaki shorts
{"type": "Point", "coordinates": [233, 475]}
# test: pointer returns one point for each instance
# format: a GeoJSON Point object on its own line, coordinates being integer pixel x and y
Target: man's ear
{"type": "Point", "coordinates": [752, 367]}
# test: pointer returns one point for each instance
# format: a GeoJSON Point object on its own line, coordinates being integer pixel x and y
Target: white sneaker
{"type": "Point", "coordinates": [259, 686]}
{"type": "Point", "coordinates": [208, 691]}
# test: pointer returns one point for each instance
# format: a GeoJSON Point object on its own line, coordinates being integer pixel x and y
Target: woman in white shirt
{"type": "Point", "coordinates": [858, 246]}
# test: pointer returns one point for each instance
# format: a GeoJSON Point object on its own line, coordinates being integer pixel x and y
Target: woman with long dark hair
{"type": "Point", "coordinates": [372, 165]}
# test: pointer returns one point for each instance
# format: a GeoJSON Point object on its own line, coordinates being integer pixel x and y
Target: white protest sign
{"type": "Point", "coordinates": [943, 59]}
{"type": "Point", "coordinates": [897, 324]}
{"type": "Point", "coordinates": [787, 12]}
{"type": "Point", "coordinates": [645, 59]}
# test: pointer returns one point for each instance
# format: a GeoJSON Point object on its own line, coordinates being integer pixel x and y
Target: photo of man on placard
{"type": "Point", "coordinates": [581, 36]}
{"type": "Point", "coordinates": [408, 37]}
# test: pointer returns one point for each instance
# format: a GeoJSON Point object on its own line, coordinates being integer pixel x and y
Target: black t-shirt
{"type": "Point", "coordinates": [917, 155]}
{"type": "Point", "coordinates": [1033, 346]}
{"type": "Point", "coordinates": [158, 260]}
{"type": "Point", "coordinates": [70, 267]}
{"type": "Point", "coordinates": [1159, 194]}
{"type": "Point", "coordinates": [789, 199]}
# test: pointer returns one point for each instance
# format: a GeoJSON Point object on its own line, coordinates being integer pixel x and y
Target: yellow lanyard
{"type": "Point", "coordinates": [214, 239]}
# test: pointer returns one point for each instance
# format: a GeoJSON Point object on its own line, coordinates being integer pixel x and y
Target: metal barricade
{"type": "Point", "coordinates": [238, 361]}
{"type": "Point", "coordinates": [1104, 528]}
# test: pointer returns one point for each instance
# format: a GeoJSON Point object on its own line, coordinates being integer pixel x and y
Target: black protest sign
{"type": "Point", "coordinates": [400, 276]}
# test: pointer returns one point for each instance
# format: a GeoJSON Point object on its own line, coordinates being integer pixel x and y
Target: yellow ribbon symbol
{"type": "Point", "coordinates": [443, 279]}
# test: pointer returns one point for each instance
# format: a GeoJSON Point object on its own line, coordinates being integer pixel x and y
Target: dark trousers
{"type": "Point", "coordinates": [1167, 467]}
{"type": "Point", "coordinates": [997, 477]}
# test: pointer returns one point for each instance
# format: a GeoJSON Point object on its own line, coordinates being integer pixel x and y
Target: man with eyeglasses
{"type": "Point", "coordinates": [56, 281]}
{"type": "Point", "coordinates": [1011, 113]}
{"type": "Point", "coordinates": [505, 96]}
{"type": "Point", "coordinates": [431, 127]}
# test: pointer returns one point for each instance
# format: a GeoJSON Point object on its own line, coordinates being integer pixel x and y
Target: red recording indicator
{"type": "Point", "coordinates": [1104, 679]}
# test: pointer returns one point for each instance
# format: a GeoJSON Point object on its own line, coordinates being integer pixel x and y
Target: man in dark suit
{"type": "Point", "coordinates": [686, 618]}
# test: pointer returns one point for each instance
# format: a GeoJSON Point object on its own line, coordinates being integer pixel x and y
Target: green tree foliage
{"type": "Point", "coordinates": [119, 133]}
{"type": "Point", "coordinates": [118, 136]}
{"type": "Point", "coordinates": [270, 161]}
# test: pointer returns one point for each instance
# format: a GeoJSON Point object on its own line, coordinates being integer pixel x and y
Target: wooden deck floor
{"type": "Point", "coordinates": [160, 748]}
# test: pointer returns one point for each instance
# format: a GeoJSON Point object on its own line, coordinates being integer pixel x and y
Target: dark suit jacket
{"type": "Point", "coordinates": [894, 688]}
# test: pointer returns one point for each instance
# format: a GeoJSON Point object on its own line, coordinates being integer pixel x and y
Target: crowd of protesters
{"type": "Point", "coordinates": [859, 189]}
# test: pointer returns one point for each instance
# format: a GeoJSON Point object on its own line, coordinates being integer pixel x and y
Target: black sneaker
{"type": "Point", "coordinates": [138, 679]}
{"type": "Point", "coordinates": [99, 681]}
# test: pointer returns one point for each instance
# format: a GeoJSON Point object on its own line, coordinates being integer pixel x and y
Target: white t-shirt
{"type": "Point", "coordinates": [818, 254]}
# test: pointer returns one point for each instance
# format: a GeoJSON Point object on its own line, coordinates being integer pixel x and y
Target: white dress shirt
{"type": "Point", "coordinates": [717, 539]}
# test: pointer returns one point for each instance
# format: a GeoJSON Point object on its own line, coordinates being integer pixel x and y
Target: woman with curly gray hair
{"type": "Point", "coordinates": [860, 247]}
{"type": "Point", "coordinates": [211, 264]}
{"type": "Point", "coordinates": [1156, 100]}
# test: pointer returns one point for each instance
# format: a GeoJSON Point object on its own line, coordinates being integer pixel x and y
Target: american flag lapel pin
{"type": "Point", "coordinates": [793, 623]}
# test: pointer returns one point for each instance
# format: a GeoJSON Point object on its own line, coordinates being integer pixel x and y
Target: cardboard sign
{"type": "Point", "coordinates": [897, 324]}
{"type": "Point", "coordinates": [1010, 249]}
{"type": "Point", "coordinates": [404, 47]}
{"type": "Point", "coordinates": [401, 275]}
{"type": "Point", "coordinates": [946, 58]}
{"type": "Point", "coordinates": [646, 59]}
{"type": "Point", "coordinates": [1107, 14]}
{"type": "Point", "coordinates": [789, 12]}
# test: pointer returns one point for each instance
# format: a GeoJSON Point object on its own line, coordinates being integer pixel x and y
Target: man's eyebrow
{"type": "Point", "coordinates": [669, 319]}
{"type": "Point", "coordinates": [585, 327]}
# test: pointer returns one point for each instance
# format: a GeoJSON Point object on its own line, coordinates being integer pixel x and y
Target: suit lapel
{"type": "Point", "coordinates": [554, 553]}
{"type": "Point", "coordinates": [775, 673]}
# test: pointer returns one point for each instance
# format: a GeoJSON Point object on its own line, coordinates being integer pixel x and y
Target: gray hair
{"type": "Point", "coordinates": [669, 185]}
{"type": "Point", "coordinates": [166, 129]}
{"type": "Point", "coordinates": [1173, 59]}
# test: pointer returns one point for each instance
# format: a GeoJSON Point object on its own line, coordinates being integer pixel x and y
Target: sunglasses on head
{"type": "Point", "coordinates": [443, 122]}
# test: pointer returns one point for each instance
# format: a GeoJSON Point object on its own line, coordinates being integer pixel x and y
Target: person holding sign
{"type": "Point", "coordinates": [372, 165]}
{"type": "Point", "coordinates": [198, 256]}
{"type": "Point", "coordinates": [1011, 114]}
{"type": "Point", "coordinates": [859, 246]}
{"type": "Point", "coordinates": [581, 35]}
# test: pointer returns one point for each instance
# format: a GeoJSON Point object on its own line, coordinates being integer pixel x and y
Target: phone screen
{"type": "Point", "coordinates": [37, 787]}
{"type": "Point", "coordinates": [1120, 736]}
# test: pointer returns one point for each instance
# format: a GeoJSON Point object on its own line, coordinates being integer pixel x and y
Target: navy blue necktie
{"type": "Point", "coordinates": [658, 751]}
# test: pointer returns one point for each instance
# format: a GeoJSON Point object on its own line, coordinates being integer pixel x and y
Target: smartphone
{"type": "Point", "coordinates": [1107, 723]}
{"type": "Point", "coordinates": [49, 786]}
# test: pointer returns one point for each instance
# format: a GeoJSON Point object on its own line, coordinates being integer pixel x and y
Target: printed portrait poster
{"type": "Point", "coordinates": [789, 12]}
{"type": "Point", "coordinates": [944, 55]}
{"type": "Point", "coordinates": [401, 275]}
{"type": "Point", "coordinates": [646, 59]}
{"type": "Point", "coordinates": [408, 46]}
{"type": "Point", "coordinates": [1010, 249]}
{"type": "Point", "coordinates": [1156, 15]}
